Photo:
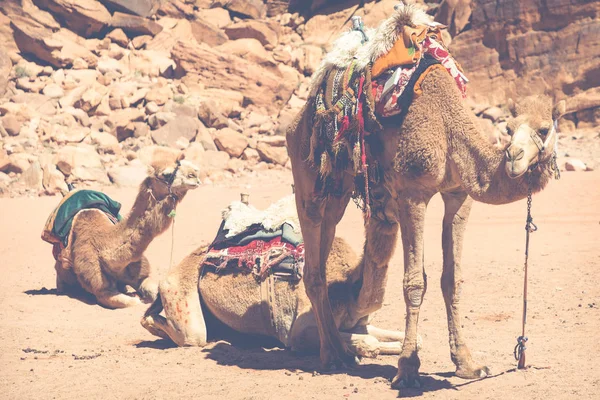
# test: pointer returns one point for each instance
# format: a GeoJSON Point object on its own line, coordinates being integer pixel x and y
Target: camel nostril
{"type": "Point", "coordinates": [513, 154]}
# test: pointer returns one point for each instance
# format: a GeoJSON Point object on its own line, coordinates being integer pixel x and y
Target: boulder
{"type": "Point", "coordinates": [53, 91]}
{"type": "Point", "coordinates": [248, 49]}
{"type": "Point", "coordinates": [105, 142]}
{"type": "Point", "coordinates": [454, 14]}
{"type": "Point", "coordinates": [143, 8]}
{"type": "Point", "coordinates": [251, 155]}
{"type": "Point", "coordinates": [185, 127]}
{"type": "Point", "coordinates": [246, 8]}
{"type": "Point", "coordinates": [214, 161]}
{"type": "Point", "coordinates": [32, 176]}
{"type": "Point", "coordinates": [11, 124]}
{"type": "Point", "coordinates": [128, 175]}
{"type": "Point", "coordinates": [231, 142]}
{"type": "Point", "coordinates": [81, 163]}
{"type": "Point", "coordinates": [149, 155]}
{"type": "Point", "coordinates": [194, 153]}
{"type": "Point", "coordinates": [53, 180]}
{"type": "Point", "coordinates": [119, 37]}
{"type": "Point", "coordinates": [54, 48]}
{"type": "Point", "coordinates": [217, 16]}
{"type": "Point", "coordinates": [134, 25]}
{"type": "Point", "coordinates": [259, 86]}
{"type": "Point", "coordinates": [574, 164]}
{"type": "Point", "coordinates": [260, 31]}
{"type": "Point", "coordinates": [272, 154]}
{"type": "Point", "coordinates": [119, 122]}
{"type": "Point", "coordinates": [493, 113]}
{"type": "Point", "coordinates": [4, 160]}
{"type": "Point", "coordinates": [159, 95]}
{"type": "Point", "coordinates": [85, 17]}
{"type": "Point", "coordinates": [205, 32]}
{"type": "Point", "coordinates": [205, 138]}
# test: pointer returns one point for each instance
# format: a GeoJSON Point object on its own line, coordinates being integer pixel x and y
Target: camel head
{"type": "Point", "coordinates": [533, 133]}
{"type": "Point", "coordinates": [173, 177]}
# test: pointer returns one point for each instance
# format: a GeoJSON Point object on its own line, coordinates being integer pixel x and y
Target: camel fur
{"type": "Point", "coordinates": [235, 299]}
{"type": "Point", "coordinates": [435, 148]}
{"type": "Point", "coordinates": [102, 258]}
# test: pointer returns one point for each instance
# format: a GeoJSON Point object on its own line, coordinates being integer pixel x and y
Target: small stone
{"type": "Point", "coordinates": [230, 141]}
{"type": "Point", "coordinates": [80, 63]}
{"type": "Point", "coordinates": [119, 37]}
{"type": "Point", "coordinates": [11, 124]}
{"type": "Point", "coordinates": [574, 164]}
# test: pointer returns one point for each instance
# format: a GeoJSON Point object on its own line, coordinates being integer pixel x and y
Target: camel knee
{"type": "Point", "coordinates": [148, 290]}
{"type": "Point", "coordinates": [314, 285]}
{"type": "Point", "coordinates": [414, 292]}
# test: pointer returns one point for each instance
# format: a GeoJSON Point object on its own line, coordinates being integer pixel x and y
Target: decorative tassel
{"type": "Point", "coordinates": [357, 158]}
{"type": "Point", "coordinates": [326, 166]}
{"type": "Point", "coordinates": [345, 124]}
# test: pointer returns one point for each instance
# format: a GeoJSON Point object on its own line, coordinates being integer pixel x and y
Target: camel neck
{"type": "Point", "coordinates": [148, 218]}
{"type": "Point", "coordinates": [480, 164]}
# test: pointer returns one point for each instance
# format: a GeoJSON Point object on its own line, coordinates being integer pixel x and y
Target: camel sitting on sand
{"type": "Point", "coordinates": [275, 308]}
{"type": "Point", "coordinates": [434, 147]}
{"type": "Point", "coordinates": [103, 257]}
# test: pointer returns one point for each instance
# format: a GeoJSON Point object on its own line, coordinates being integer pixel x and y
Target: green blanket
{"type": "Point", "coordinates": [80, 200]}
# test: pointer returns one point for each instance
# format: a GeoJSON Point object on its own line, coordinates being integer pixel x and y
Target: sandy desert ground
{"type": "Point", "coordinates": [59, 347]}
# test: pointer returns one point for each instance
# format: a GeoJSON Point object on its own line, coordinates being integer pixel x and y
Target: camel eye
{"type": "Point", "coordinates": [543, 131]}
{"type": "Point", "coordinates": [509, 131]}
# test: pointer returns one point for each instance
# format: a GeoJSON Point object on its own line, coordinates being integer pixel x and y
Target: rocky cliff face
{"type": "Point", "coordinates": [516, 48]}
{"type": "Point", "coordinates": [92, 90]}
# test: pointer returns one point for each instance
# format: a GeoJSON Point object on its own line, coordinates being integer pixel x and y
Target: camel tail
{"type": "Point", "coordinates": [155, 308]}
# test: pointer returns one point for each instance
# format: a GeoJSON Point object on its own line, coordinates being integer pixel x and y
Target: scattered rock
{"type": "Point", "coordinates": [231, 142]}
{"type": "Point", "coordinates": [32, 177]}
{"type": "Point", "coordinates": [81, 163]}
{"type": "Point", "coordinates": [106, 143]}
{"type": "Point", "coordinates": [574, 164]}
{"type": "Point", "coordinates": [168, 135]}
{"type": "Point", "coordinates": [206, 32]}
{"type": "Point", "coordinates": [247, 8]}
{"type": "Point", "coordinates": [85, 17]}
{"type": "Point", "coordinates": [119, 37]}
{"type": "Point", "coordinates": [258, 85]}
{"type": "Point", "coordinates": [129, 175]}
{"type": "Point", "coordinates": [11, 124]}
{"type": "Point", "coordinates": [272, 154]}
{"type": "Point", "coordinates": [493, 113]}
{"type": "Point", "coordinates": [150, 154]}
{"type": "Point", "coordinates": [53, 91]}
{"type": "Point", "coordinates": [143, 8]}
{"type": "Point", "coordinates": [135, 25]}
{"type": "Point", "coordinates": [252, 30]}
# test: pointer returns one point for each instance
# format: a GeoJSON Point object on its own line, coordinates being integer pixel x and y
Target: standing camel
{"type": "Point", "coordinates": [435, 147]}
{"type": "Point", "coordinates": [102, 257]}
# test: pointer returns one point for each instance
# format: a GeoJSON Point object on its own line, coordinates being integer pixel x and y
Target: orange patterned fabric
{"type": "Point", "coordinates": [404, 52]}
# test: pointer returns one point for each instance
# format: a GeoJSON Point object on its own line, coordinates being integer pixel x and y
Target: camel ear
{"type": "Point", "coordinates": [181, 156]}
{"type": "Point", "coordinates": [512, 107]}
{"type": "Point", "coordinates": [559, 110]}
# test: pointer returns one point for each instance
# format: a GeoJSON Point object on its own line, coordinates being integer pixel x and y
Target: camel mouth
{"type": "Point", "coordinates": [514, 170]}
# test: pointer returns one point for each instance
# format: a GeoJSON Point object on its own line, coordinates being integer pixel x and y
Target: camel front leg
{"type": "Point", "coordinates": [457, 208]}
{"type": "Point", "coordinates": [379, 247]}
{"type": "Point", "coordinates": [318, 220]}
{"type": "Point", "coordinates": [412, 218]}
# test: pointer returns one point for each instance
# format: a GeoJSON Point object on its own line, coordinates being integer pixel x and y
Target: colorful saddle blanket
{"type": "Point", "coordinates": [262, 251]}
{"type": "Point", "coordinates": [58, 225]}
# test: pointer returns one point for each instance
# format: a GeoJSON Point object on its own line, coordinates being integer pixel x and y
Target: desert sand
{"type": "Point", "coordinates": [60, 347]}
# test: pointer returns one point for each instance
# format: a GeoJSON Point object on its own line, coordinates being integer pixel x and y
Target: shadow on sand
{"type": "Point", "coordinates": [81, 295]}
